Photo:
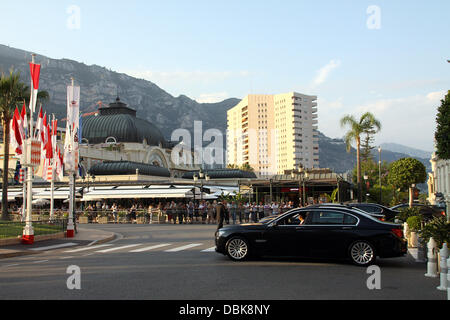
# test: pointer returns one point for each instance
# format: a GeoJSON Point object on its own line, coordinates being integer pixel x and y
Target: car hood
{"type": "Point", "coordinates": [245, 226]}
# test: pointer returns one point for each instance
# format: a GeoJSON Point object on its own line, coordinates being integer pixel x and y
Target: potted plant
{"type": "Point", "coordinates": [414, 224]}
{"type": "Point", "coordinates": [439, 230]}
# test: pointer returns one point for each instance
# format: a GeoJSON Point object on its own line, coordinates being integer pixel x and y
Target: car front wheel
{"type": "Point", "coordinates": [362, 253]}
{"type": "Point", "coordinates": [237, 249]}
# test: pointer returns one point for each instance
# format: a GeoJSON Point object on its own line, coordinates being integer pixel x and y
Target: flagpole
{"type": "Point", "coordinates": [28, 232]}
{"type": "Point", "coordinates": [70, 226]}
{"type": "Point", "coordinates": [52, 183]}
{"type": "Point", "coordinates": [24, 184]}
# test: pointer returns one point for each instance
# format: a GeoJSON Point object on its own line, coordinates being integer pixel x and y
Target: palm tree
{"type": "Point", "coordinates": [366, 123]}
{"type": "Point", "coordinates": [13, 92]}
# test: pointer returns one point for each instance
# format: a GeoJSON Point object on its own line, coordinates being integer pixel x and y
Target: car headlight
{"type": "Point", "coordinates": [220, 233]}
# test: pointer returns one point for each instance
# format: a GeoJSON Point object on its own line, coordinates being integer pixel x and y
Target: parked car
{"type": "Point", "coordinates": [377, 210]}
{"type": "Point", "coordinates": [322, 231]}
{"type": "Point", "coordinates": [428, 212]}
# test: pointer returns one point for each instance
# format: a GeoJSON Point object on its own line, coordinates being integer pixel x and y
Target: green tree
{"type": "Point", "coordinates": [442, 135]}
{"type": "Point", "coordinates": [13, 93]}
{"type": "Point", "coordinates": [247, 167]}
{"type": "Point", "coordinates": [405, 172]}
{"type": "Point", "coordinates": [356, 129]}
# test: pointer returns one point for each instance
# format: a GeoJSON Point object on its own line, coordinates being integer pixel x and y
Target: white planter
{"type": "Point", "coordinates": [414, 239]}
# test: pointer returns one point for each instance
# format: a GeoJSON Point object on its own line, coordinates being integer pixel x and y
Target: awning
{"type": "Point", "coordinates": [58, 193]}
{"type": "Point", "coordinates": [13, 194]}
{"type": "Point", "coordinates": [136, 193]}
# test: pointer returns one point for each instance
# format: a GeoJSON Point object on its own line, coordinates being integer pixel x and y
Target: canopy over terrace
{"type": "Point", "coordinates": [139, 192]}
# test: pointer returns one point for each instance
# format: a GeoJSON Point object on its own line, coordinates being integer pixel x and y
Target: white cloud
{"type": "Point", "coordinates": [212, 97]}
{"type": "Point", "coordinates": [410, 120]}
{"type": "Point", "coordinates": [323, 73]}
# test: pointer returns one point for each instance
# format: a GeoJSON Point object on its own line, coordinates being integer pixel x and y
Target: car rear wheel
{"type": "Point", "coordinates": [237, 249]}
{"type": "Point", "coordinates": [362, 253]}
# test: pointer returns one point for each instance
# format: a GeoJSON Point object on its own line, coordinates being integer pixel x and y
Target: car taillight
{"type": "Point", "coordinates": [398, 233]}
{"type": "Point", "coordinates": [443, 213]}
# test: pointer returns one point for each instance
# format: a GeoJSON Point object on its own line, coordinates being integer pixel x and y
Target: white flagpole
{"type": "Point", "coordinates": [24, 193]}
{"type": "Point", "coordinates": [28, 232]}
{"type": "Point", "coordinates": [70, 226]}
{"type": "Point", "coordinates": [52, 183]}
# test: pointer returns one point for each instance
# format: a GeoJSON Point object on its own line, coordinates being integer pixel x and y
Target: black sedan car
{"type": "Point", "coordinates": [315, 231]}
{"type": "Point", "coordinates": [428, 212]}
{"type": "Point", "coordinates": [377, 210]}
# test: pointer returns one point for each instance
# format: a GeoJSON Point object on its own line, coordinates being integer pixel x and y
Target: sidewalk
{"type": "Point", "coordinates": [83, 237]}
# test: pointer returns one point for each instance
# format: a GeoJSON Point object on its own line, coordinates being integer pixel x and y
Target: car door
{"type": "Point", "coordinates": [328, 233]}
{"type": "Point", "coordinates": [281, 237]}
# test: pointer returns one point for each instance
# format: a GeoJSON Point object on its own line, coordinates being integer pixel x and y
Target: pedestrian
{"type": "Point", "coordinates": [240, 211]}
{"type": "Point", "coordinates": [220, 214]}
{"type": "Point", "coordinates": [148, 216]}
{"type": "Point", "coordinates": [180, 212]}
{"type": "Point", "coordinates": [190, 209]}
{"type": "Point", "coordinates": [233, 209]}
{"type": "Point", "coordinates": [260, 211]}
{"type": "Point", "coordinates": [203, 211]}
{"type": "Point", "coordinates": [210, 213]}
{"type": "Point", "coordinates": [247, 208]}
{"type": "Point", "coordinates": [114, 212]}
{"type": "Point", "coordinates": [267, 210]}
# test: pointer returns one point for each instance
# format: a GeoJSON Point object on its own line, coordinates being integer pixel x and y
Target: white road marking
{"type": "Point", "coordinates": [89, 248]}
{"type": "Point", "coordinates": [151, 247]}
{"type": "Point", "coordinates": [11, 265]}
{"type": "Point", "coordinates": [41, 261]}
{"type": "Point", "coordinates": [70, 244]}
{"type": "Point", "coordinates": [119, 248]}
{"type": "Point", "coordinates": [210, 249]}
{"type": "Point", "coordinates": [184, 247]}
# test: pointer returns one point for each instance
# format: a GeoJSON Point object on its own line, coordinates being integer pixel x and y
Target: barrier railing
{"type": "Point", "coordinates": [14, 229]}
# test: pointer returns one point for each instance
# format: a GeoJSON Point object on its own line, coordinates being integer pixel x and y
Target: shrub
{"type": "Point", "coordinates": [414, 223]}
{"type": "Point", "coordinates": [439, 229]}
{"type": "Point", "coordinates": [406, 213]}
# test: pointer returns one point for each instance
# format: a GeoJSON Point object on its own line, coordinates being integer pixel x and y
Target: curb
{"type": "Point", "coordinates": [18, 240]}
{"type": "Point", "coordinates": [60, 235]}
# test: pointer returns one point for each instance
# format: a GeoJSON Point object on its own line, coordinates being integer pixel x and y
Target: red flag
{"type": "Point", "coordinates": [48, 146]}
{"type": "Point", "coordinates": [16, 137]}
{"type": "Point", "coordinates": [35, 73]}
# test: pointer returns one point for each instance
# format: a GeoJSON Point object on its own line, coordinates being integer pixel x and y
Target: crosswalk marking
{"type": "Point", "coordinates": [151, 247]}
{"type": "Point", "coordinates": [89, 248]}
{"type": "Point", "coordinates": [70, 244]}
{"type": "Point", "coordinates": [119, 248]}
{"type": "Point", "coordinates": [183, 247]}
{"type": "Point", "coordinates": [212, 249]}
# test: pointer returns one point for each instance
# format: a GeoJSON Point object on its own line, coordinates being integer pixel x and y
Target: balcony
{"type": "Point", "coordinates": [315, 122]}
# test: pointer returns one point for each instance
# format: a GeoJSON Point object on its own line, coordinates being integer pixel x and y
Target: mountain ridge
{"type": "Point", "coordinates": [152, 103]}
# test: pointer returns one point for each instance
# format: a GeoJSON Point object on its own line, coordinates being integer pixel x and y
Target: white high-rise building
{"type": "Point", "coordinates": [274, 133]}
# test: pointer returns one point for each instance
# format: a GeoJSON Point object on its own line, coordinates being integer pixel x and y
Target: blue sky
{"type": "Point", "coordinates": [211, 50]}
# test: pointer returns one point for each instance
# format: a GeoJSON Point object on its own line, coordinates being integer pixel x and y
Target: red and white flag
{"type": "Point", "coordinates": [24, 121]}
{"type": "Point", "coordinates": [35, 70]}
{"type": "Point", "coordinates": [40, 125]}
{"type": "Point", "coordinates": [16, 136]}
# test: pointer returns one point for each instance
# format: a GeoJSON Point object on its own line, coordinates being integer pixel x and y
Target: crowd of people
{"type": "Point", "coordinates": [205, 212]}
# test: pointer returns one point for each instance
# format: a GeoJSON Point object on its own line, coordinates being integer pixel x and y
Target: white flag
{"type": "Point", "coordinates": [73, 118]}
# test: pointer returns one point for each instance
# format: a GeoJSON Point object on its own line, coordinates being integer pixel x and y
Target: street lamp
{"type": "Point", "coordinates": [304, 179]}
{"type": "Point", "coordinates": [366, 177]}
{"type": "Point", "coordinates": [379, 174]}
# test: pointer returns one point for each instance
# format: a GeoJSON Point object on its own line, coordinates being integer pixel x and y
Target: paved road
{"type": "Point", "coordinates": [178, 262]}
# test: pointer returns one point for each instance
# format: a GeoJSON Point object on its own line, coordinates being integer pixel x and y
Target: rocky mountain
{"type": "Point", "coordinates": [101, 86]}
{"type": "Point", "coordinates": [333, 154]}
{"type": "Point", "coordinates": [395, 147]}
